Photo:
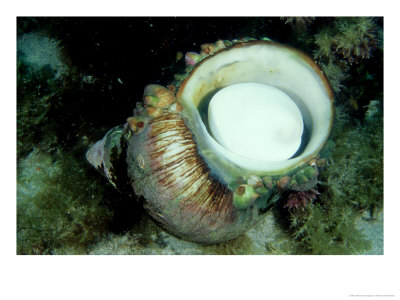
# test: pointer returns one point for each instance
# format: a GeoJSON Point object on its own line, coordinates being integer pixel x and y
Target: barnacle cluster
{"type": "Point", "coordinates": [207, 49]}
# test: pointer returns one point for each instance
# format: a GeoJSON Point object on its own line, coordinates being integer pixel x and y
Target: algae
{"type": "Point", "coordinates": [58, 207]}
{"type": "Point", "coordinates": [351, 185]}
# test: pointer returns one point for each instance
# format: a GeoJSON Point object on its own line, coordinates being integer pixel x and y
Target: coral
{"type": "Point", "coordinates": [59, 209]}
{"type": "Point", "coordinates": [323, 39]}
{"type": "Point", "coordinates": [341, 46]}
{"type": "Point", "coordinates": [300, 27]}
{"type": "Point", "coordinates": [39, 50]}
{"type": "Point", "coordinates": [356, 40]}
{"type": "Point", "coordinates": [350, 39]}
{"type": "Point", "coordinates": [373, 109]}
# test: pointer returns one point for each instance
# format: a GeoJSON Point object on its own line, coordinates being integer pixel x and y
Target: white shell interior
{"type": "Point", "coordinates": [272, 64]}
{"type": "Point", "coordinates": [256, 121]}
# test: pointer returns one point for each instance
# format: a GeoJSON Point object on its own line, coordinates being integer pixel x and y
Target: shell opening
{"type": "Point", "coordinates": [268, 63]}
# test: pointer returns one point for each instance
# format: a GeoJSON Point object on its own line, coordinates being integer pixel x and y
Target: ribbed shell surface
{"type": "Point", "coordinates": [179, 190]}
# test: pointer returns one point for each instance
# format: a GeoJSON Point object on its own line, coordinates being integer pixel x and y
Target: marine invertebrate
{"type": "Point", "coordinates": [194, 186]}
{"type": "Point", "coordinates": [300, 22]}
{"type": "Point", "coordinates": [356, 39]}
{"type": "Point", "coordinates": [192, 58]}
{"type": "Point", "coordinates": [350, 40]}
{"type": "Point", "coordinates": [341, 47]}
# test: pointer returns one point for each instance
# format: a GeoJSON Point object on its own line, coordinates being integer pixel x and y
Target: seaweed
{"type": "Point", "coordinates": [36, 93]}
{"type": "Point", "coordinates": [59, 210]}
{"type": "Point", "coordinates": [351, 185]}
{"type": "Point", "coordinates": [328, 229]}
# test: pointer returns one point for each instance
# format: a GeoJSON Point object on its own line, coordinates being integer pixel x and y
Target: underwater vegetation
{"type": "Point", "coordinates": [44, 78]}
{"type": "Point", "coordinates": [35, 94]}
{"type": "Point", "coordinates": [351, 184]}
{"type": "Point", "coordinates": [59, 209]}
{"type": "Point", "coordinates": [64, 207]}
{"type": "Point", "coordinates": [344, 50]}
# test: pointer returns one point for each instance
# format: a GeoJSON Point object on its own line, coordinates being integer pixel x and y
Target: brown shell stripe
{"type": "Point", "coordinates": [178, 167]}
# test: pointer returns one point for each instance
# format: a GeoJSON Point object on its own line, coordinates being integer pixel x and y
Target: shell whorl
{"type": "Point", "coordinates": [181, 191]}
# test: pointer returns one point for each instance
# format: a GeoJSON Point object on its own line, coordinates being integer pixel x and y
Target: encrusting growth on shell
{"type": "Point", "coordinates": [192, 58]}
{"type": "Point", "coordinates": [137, 123]}
{"type": "Point", "coordinates": [244, 196]}
{"type": "Point", "coordinates": [158, 96]}
{"type": "Point", "coordinates": [153, 111]}
{"type": "Point", "coordinates": [175, 107]}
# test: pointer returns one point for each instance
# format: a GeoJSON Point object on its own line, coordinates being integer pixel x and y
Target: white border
{"type": "Point", "coordinates": [208, 277]}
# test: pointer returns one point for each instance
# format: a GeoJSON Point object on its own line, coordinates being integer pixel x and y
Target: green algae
{"type": "Point", "coordinates": [328, 229]}
{"type": "Point", "coordinates": [351, 185]}
{"type": "Point", "coordinates": [35, 95]}
{"type": "Point", "coordinates": [349, 50]}
{"type": "Point", "coordinates": [59, 210]}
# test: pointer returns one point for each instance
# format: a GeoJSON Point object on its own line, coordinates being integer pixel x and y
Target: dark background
{"type": "Point", "coordinates": [138, 51]}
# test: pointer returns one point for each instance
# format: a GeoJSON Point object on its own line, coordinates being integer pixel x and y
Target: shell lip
{"type": "Point", "coordinates": [302, 54]}
{"type": "Point", "coordinates": [297, 163]}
